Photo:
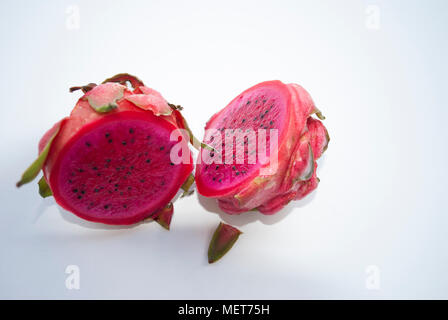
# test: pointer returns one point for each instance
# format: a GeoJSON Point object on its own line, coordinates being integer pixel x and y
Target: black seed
{"type": "Point", "coordinates": [171, 164]}
{"type": "Point", "coordinates": [95, 168]}
{"type": "Point", "coordinates": [116, 189]}
{"type": "Point", "coordinates": [161, 148]}
{"type": "Point", "coordinates": [88, 144]}
{"type": "Point", "coordinates": [107, 135]}
{"type": "Point", "coordinates": [244, 120]}
{"type": "Point", "coordinates": [116, 185]}
{"type": "Point", "coordinates": [262, 116]}
{"type": "Point", "coordinates": [264, 101]}
{"type": "Point", "coordinates": [96, 190]}
{"type": "Point", "coordinates": [255, 118]}
{"type": "Point", "coordinates": [142, 180]}
{"type": "Point", "coordinates": [70, 181]}
{"type": "Point", "coordinates": [106, 206]}
{"type": "Point", "coordinates": [80, 170]}
{"type": "Point", "coordinates": [83, 192]}
{"type": "Point", "coordinates": [148, 160]}
{"type": "Point", "coordinates": [98, 174]}
{"type": "Point", "coordinates": [129, 188]}
{"type": "Point", "coordinates": [266, 111]}
{"type": "Point", "coordinates": [117, 168]}
{"type": "Point", "coordinates": [248, 103]}
{"type": "Point", "coordinates": [214, 178]}
{"type": "Point", "coordinates": [75, 190]}
{"type": "Point", "coordinates": [79, 197]}
{"type": "Point", "coordinates": [220, 180]}
{"type": "Point", "coordinates": [131, 167]}
{"type": "Point", "coordinates": [237, 173]}
{"type": "Point", "coordinates": [233, 168]}
{"type": "Point", "coordinates": [107, 160]}
{"type": "Point", "coordinates": [110, 180]}
{"type": "Point", "coordinates": [110, 141]}
{"type": "Point", "coordinates": [212, 154]}
{"type": "Point", "coordinates": [271, 123]}
{"type": "Point", "coordinates": [123, 143]}
{"type": "Point", "coordinates": [217, 167]}
{"type": "Point", "coordinates": [148, 137]}
{"type": "Point", "coordinates": [131, 131]}
{"type": "Point", "coordinates": [128, 173]}
{"type": "Point", "coordinates": [125, 206]}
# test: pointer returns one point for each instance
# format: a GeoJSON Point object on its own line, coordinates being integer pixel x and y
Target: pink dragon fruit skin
{"type": "Point", "coordinates": [302, 140]}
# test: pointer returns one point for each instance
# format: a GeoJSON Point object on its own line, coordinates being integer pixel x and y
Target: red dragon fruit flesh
{"type": "Point", "coordinates": [109, 161]}
{"type": "Point", "coordinates": [277, 118]}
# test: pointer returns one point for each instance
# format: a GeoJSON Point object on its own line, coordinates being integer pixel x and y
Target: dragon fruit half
{"type": "Point", "coordinates": [109, 161]}
{"type": "Point", "coordinates": [270, 115]}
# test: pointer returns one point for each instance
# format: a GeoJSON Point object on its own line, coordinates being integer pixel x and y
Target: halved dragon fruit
{"type": "Point", "coordinates": [267, 144]}
{"type": "Point", "coordinates": [109, 161]}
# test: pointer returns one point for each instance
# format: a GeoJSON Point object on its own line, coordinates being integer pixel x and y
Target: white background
{"type": "Point", "coordinates": [381, 84]}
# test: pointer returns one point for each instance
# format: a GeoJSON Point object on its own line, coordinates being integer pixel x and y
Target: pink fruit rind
{"type": "Point", "coordinates": [301, 143]}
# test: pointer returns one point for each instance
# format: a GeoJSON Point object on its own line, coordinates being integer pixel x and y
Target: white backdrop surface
{"type": "Point", "coordinates": [376, 69]}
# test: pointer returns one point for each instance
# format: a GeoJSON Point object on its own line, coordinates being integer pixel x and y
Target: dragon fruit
{"type": "Point", "coordinates": [109, 161]}
{"type": "Point", "coordinates": [277, 116]}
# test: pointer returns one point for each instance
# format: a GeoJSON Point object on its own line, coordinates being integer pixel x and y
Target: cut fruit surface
{"type": "Point", "coordinates": [261, 108]}
{"type": "Point", "coordinates": [118, 169]}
